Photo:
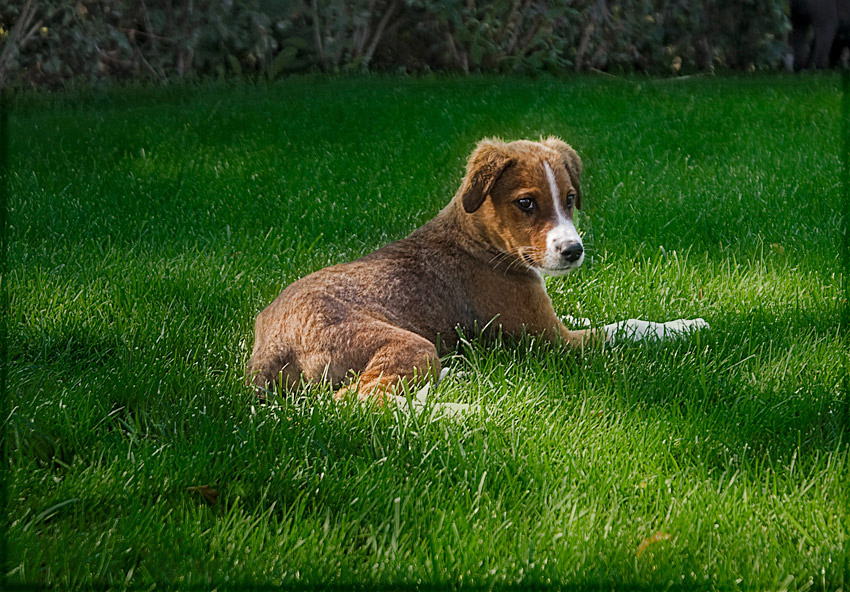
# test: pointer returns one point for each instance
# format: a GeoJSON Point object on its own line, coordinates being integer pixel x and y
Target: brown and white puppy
{"type": "Point", "coordinates": [479, 263]}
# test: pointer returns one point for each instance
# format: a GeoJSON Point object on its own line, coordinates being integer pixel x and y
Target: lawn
{"type": "Point", "coordinates": [148, 227]}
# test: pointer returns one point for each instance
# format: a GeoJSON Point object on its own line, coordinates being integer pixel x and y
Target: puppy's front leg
{"type": "Point", "coordinates": [632, 330]}
{"type": "Point", "coordinates": [582, 337]}
{"type": "Point", "coordinates": [636, 329]}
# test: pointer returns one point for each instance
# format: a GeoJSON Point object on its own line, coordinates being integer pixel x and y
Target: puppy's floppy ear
{"type": "Point", "coordinates": [571, 161]}
{"type": "Point", "coordinates": [486, 164]}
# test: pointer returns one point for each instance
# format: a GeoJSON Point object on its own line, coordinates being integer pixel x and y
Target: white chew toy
{"type": "Point", "coordinates": [416, 404]}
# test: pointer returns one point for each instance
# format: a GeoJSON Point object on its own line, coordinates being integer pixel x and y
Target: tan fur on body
{"type": "Point", "coordinates": [479, 259]}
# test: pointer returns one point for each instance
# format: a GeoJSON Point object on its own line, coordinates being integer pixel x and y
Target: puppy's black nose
{"type": "Point", "coordinates": [571, 251]}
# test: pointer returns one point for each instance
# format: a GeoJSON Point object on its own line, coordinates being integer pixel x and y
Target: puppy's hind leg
{"type": "Point", "coordinates": [401, 358]}
{"type": "Point", "coordinates": [269, 371]}
{"type": "Point", "coordinates": [273, 363]}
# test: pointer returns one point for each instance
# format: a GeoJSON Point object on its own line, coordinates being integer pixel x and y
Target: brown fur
{"type": "Point", "coordinates": [382, 315]}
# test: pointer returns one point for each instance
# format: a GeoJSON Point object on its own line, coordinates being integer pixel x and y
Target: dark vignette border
{"type": "Point", "coordinates": [845, 227]}
{"type": "Point", "coordinates": [4, 331]}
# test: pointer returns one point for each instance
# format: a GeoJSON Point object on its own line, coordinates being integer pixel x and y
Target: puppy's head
{"type": "Point", "coordinates": [521, 196]}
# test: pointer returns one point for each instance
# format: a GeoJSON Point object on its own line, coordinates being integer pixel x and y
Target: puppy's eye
{"type": "Point", "coordinates": [571, 198]}
{"type": "Point", "coordinates": [526, 204]}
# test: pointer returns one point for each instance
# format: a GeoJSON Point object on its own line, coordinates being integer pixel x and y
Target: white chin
{"type": "Point", "coordinates": [560, 269]}
{"type": "Point", "coordinates": [556, 271]}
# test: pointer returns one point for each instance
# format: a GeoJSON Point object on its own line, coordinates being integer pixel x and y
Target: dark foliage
{"type": "Point", "coordinates": [172, 39]}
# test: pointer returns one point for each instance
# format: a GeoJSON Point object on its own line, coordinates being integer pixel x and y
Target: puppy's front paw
{"type": "Point", "coordinates": [683, 326]}
{"type": "Point", "coordinates": [636, 329]}
{"type": "Point", "coordinates": [631, 330]}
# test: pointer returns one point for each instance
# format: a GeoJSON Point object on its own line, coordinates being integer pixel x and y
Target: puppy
{"type": "Point", "coordinates": [478, 264]}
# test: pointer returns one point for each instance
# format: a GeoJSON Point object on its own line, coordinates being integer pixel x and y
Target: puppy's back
{"type": "Point", "coordinates": [309, 330]}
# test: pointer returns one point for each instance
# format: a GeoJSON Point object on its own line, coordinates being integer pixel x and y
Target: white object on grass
{"type": "Point", "coordinates": [439, 410]}
{"type": "Point", "coordinates": [417, 403]}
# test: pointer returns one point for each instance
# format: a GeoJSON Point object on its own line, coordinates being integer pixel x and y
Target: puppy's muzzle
{"type": "Point", "coordinates": [563, 255]}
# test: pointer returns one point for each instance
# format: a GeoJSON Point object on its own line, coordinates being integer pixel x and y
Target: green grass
{"type": "Point", "coordinates": [148, 228]}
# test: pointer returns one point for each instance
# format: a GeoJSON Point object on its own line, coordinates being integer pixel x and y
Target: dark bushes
{"type": "Point", "coordinates": [169, 39]}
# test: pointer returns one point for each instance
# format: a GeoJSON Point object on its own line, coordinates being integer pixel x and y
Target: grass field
{"type": "Point", "coordinates": [148, 228]}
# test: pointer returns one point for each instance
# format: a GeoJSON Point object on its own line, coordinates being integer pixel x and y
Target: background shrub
{"type": "Point", "coordinates": [172, 39]}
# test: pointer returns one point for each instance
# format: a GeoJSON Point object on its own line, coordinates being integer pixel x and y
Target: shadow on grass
{"type": "Point", "coordinates": [765, 387]}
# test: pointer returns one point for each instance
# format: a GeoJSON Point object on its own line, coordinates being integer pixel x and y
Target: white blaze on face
{"type": "Point", "coordinates": [562, 234]}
